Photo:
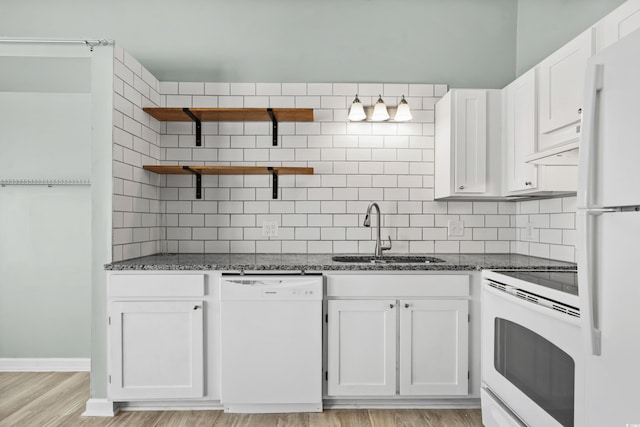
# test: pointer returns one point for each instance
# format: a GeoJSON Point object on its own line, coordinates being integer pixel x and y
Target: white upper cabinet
{"type": "Point", "coordinates": [618, 24]}
{"type": "Point", "coordinates": [467, 144]}
{"type": "Point", "coordinates": [561, 78]}
{"type": "Point", "coordinates": [520, 132]}
{"type": "Point", "coordinates": [520, 141]}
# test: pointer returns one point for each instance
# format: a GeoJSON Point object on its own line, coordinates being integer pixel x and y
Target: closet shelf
{"type": "Point", "coordinates": [199, 115]}
{"type": "Point", "coordinates": [198, 171]}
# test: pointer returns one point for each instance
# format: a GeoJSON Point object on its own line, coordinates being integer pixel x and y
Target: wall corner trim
{"type": "Point", "coordinates": [100, 408]}
{"type": "Point", "coordinates": [45, 364]}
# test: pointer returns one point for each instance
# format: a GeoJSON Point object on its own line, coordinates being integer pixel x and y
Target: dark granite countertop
{"type": "Point", "coordinates": [323, 262]}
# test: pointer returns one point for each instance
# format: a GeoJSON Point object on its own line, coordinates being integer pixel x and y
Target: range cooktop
{"type": "Point", "coordinates": [563, 280]}
{"type": "Point", "coordinates": [555, 285]}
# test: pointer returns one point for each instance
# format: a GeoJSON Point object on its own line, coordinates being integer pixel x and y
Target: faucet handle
{"type": "Point", "coordinates": [386, 248]}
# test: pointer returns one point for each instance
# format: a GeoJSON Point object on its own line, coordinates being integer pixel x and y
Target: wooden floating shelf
{"type": "Point", "coordinates": [228, 170]}
{"type": "Point", "coordinates": [231, 114]}
{"type": "Point", "coordinates": [199, 115]}
{"type": "Point", "coordinates": [198, 171]}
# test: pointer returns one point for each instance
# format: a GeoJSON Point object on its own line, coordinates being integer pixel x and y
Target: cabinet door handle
{"type": "Point", "coordinates": [461, 187]}
{"type": "Point", "coordinates": [391, 305]}
{"type": "Point", "coordinates": [407, 306]}
{"type": "Point", "coordinates": [579, 110]}
{"type": "Point", "coordinates": [195, 307]}
{"type": "Point", "coordinates": [527, 183]}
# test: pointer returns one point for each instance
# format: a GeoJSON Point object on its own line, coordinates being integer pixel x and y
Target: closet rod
{"type": "Point", "coordinates": [5, 182]}
{"type": "Point", "coordinates": [89, 43]}
{"type": "Point", "coordinates": [101, 42]}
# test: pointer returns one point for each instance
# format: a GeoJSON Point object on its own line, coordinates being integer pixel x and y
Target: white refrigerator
{"type": "Point", "coordinates": [608, 245]}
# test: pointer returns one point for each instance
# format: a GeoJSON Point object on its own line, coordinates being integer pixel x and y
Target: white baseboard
{"type": "Point", "coordinates": [45, 364]}
{"type": "Point", "coordinates": [100, 408]}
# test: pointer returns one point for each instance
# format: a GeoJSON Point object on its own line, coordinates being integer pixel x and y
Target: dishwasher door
{"type": "Point", "coordinates": [271, 343]}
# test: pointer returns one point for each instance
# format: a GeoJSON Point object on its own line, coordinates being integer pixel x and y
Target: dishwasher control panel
{"type": "Point", "coordinates": [271, 288]}
{"type": "Point", "coordinates": [288, 293]}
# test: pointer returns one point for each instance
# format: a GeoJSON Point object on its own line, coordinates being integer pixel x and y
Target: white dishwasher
{"type": "Point", "coordinates": [271, 343]}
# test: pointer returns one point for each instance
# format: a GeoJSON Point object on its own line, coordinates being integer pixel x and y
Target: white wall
{"type": "Point", "coordinates": [466, 43]}
{"type": "Point", "coordinates": [546, 25]}
{"type": "Point", "coordinates": [45, 245]}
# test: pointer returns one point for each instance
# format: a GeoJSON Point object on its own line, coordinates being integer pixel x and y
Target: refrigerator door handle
{"type": "Point", "coordinates": [599, 211]}
{"type": "Point", "coordinates": [594, 83]}
{"type": "Point", "coordinates": [586, 277]}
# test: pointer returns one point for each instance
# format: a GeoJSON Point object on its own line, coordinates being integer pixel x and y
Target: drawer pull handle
{"type": "Point", "coordinates": [195, 307]}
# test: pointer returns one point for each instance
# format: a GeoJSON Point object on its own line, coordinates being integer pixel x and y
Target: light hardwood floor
{"type": "Point", "coordinates": [58, 399]}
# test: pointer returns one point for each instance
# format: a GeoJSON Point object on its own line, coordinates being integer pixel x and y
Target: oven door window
{"type": "Point", "coordinates": [537, 367]}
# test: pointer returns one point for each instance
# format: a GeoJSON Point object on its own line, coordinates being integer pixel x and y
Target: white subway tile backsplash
{"type": "Point", "coordinates": [472, 247]}
{"type": "Point", "coordinates": [423, 90]}
{"type": "Point", "coordinates": [191, 88]}
{"type": "Point", "coordinates": [319, 89]}
{"type": "Point", "coordinates": [231, 102]}
{"type": "Point", "coordinates": [294, 88]}
{"type": "Point", "coordinates": [395, 90]}
{"type": "Point", "coordinates": [565, 220]}
{"type": "Point", "coordinates": [268, 89]}
{"type": "Point", "coordinates": [243, 89]}
{"type": "Point", "coordinates": [355, 163]}
{"type": "Point", "coordinates": [370, 89]}
{"type": "Point", "coordinates": [217, 88]}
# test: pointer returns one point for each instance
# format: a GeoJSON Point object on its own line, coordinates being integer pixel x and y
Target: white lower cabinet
{"type": "Point", "coordinates": [362, 348]}
{"type": "Point", "coordinates": [434, 349]}
{"type": "Point", "coordinates": [158, 338]}
{"type": "Point", "coordinates": [156, 349]}
{"type": "Point", "coordinates": [407, 346]}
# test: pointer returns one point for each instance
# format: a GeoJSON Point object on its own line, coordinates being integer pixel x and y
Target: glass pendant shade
{"type": "Point", "coordinates": [403, 113]}
{"type": "Point", "coordinates": [356, 112]}
{"type": "Point", "coordinates": [380, 112]}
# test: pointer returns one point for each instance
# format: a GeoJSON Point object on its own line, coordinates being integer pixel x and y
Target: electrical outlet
{"type": "Point", "coordinates": [530, 231]}
{"type": "Point", "coordinates": [270, 228]}
{"type": "Point", "coordinates": [456, 228]}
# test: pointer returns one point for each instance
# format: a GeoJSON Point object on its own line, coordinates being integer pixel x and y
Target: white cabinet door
{"type": "Point", "coordinates": [618, 24]}
{"type": "Point", "coordinates": [470, 141]}
{"type": "Point", "coordinates": [562, 77]}
{"type": "Point", "coordinates": [468, 147]}
{"type": "Point", "coordinates": [520, 132]}
{"type": "Point", "coordinates": [362, 348]}
{"type": "Point", "coordinates": [156, 350]}
{"type": "Point", "coordinates": [434, 347]}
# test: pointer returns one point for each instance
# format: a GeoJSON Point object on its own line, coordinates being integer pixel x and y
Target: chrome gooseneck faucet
{"type": "Point", "coordinates": [367, 223]}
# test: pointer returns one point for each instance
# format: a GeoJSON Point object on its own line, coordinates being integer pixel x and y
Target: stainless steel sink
{"type": "Point", "coordinates": [391, 259]}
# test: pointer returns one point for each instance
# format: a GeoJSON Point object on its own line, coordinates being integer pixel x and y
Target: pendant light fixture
{"type": "Point", "coordinates": [356, 112]}
{"type": "Point", "coordinates": [380, 113]}
{"type": "Point", "coordinates": [403, 113]}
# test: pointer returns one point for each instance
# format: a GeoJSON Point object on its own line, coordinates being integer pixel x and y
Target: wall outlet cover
{"type": "Point", "coordinates": [456, 228]}
{"type": "Point", "coordinates": [530, 231]}
{"type": "Point", "coordinates": [270, 228]}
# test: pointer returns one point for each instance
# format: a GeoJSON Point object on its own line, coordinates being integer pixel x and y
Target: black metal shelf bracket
{"type": "Point", "coordinates": [274, 123]}
{"type": "Point", "coordinates": [274, 176]}
{"type": "Point", "coordinates": [198, 126]}
{"type": "Point", "coordinates": [198, 181]}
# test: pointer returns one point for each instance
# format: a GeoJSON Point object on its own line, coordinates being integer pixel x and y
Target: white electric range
{"type": "Point", "coordinates": [531, 349]}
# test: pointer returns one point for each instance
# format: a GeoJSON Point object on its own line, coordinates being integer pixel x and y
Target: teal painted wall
{"type": "Point", "coordinates": [546, 25]}
{"type": "Point", "coordinates": [465, 43]}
